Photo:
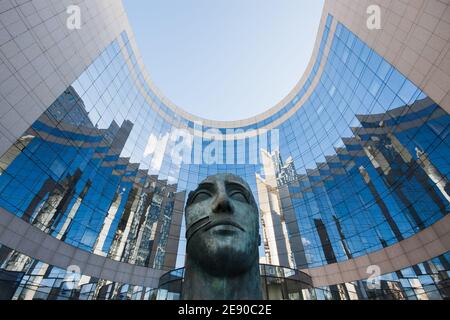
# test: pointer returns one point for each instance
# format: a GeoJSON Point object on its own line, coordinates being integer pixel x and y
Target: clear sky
{"type": "Point", "coordinates": [225, 59]}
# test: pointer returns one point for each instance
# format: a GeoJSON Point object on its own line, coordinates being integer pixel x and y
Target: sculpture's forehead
{"type": "Point", "coordinates": [224, 178]}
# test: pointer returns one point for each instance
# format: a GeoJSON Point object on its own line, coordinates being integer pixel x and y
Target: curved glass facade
{"type": "Point", "coordinates": [41, 281]}
{"type": "Point", "coordinates": [355, 163]}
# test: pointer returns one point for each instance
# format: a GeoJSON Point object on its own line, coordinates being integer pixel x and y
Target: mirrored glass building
{"type": "Point", "coordinates": [351, 170]}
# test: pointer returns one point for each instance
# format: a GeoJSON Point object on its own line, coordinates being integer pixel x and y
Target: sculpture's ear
{"type": "Point", "coordinates": [189, 199]}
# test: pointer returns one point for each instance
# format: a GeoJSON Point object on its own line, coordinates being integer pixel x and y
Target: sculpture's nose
{"type": "Point", "coordinates": [222, 204]}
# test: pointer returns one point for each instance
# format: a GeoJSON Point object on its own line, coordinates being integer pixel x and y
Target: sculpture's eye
{"type": "Point", "coordinates": [239, 196]}
{"type": "Point", "coordinates": [201, 196]}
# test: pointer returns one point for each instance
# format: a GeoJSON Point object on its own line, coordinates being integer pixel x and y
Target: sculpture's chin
{"type": "Point", "coordinates": [224, 259]}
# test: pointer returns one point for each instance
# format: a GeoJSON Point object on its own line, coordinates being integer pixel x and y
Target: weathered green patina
{"type": "Point", "coordinates": [222, 232]}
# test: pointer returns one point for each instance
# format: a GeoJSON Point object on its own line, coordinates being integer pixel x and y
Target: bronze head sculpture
{"type": "Point", "coordinates": [222, 232]}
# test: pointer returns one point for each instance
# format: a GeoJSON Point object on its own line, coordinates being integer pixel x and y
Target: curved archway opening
{"type": "Point", "coordinates": [227, 59]}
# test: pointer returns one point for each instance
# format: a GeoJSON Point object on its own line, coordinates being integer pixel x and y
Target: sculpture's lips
{"type": "Point", "coordinates": [223, 223]}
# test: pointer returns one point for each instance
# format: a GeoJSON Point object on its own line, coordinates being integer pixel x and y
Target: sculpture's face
{"type": "Point", "coordinates": [222, 226]}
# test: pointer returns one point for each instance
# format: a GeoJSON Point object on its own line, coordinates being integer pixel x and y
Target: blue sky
{"type": "Point", "coordinates": [225, 59]}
